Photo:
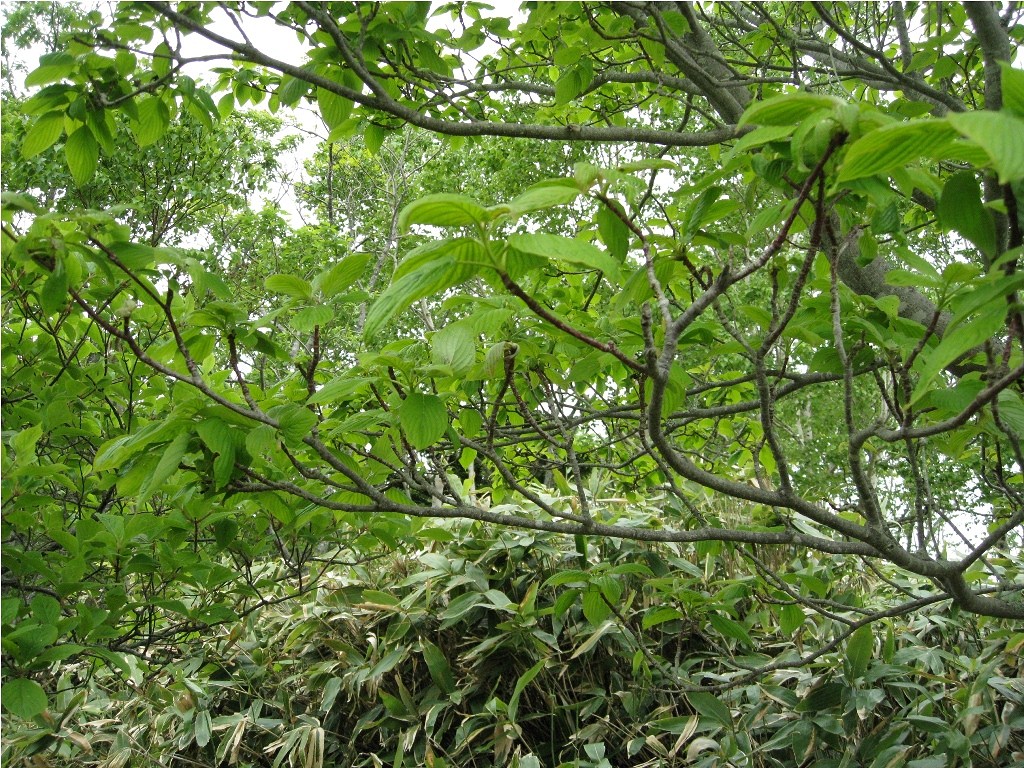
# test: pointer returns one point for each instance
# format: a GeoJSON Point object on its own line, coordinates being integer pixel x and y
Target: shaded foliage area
{"type": "Point", "coordinates": [484, 650]}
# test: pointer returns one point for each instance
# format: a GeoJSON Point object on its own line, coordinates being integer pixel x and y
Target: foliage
{"type": "Point", "coordinates": [484, 649]}
{"type": "Point", "coordinates": [668, 411]}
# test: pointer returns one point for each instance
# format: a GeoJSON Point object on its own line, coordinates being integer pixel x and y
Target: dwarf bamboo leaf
{"type": "Point", "coordinates": [859, 649]}
{"type": "Point", "coordinates": [710, 707]}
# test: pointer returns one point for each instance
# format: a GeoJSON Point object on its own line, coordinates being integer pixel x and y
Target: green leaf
{"type": "Point", "coordinates": [960, 208]}
{"type": "Point", "coordinates": [1000, 134]}
{"type": "Point", "coordinates": [595, 609]}
{"type": "Point", "coordinates": [423, 418]}
{"type": "Point", "coordinates": [613, 232]}
{"type": "Point", "coordinates": [546, 194]}
{"type": "Point", "coordinates": [859, 649]}
{"type": "Point", "coordinates": [524, 680]}
{"type": "Point", "coordinates": [42, 134]}
{"type": "Point", "coordinates": [289, 285]}
{"type": "Point", "coordinates": [660, 616]}
{"type": "Point", "coordinates": [45, 609]}
{"type": "Point", "coordinates": [23, 698]}
{"type": "Point", "coordinates": [308, 318]}
{"type": "Point", "coordinates": [1013, 89]}
{"type": "Point", "coordinates": [791, 618]}
{"type": "Point", "coordinates": [730, 628]}
{"type": "Point", "coordinates": [25, 443]}
{"type": "Point", "coordinates": [709, 706]}
{"type": "Point", "coordinates": [52, 68]}
{"type": "Point", "coordinates": [594, 638]}
{"type": "Point", "coordinates": [568, 250]}
{"type": "Point", "coordinates": [454, 345]}
{"type": "Point", "coordinates": [54, 294]}
{"type": "Point", "coordinates": [764, 135]}
{"type": "Point", "coordinates": [338, 389]}
{"type": "Point", "coordinates": [442, 210]}
{"type": "Point", "coordinates": [435, 276]}
{"type": "Point", "coordinates": [823, 698]}
{"type": "Point", "coordinates": [570, 85]}
{"type": "Point", "coordinates": [261, 441]}
{"type": "Point", "coordinates": [374, 136]}
{"type": "Point", "coordinates": [334, 109]}
{"type": "Point", "coordinates": [437, 665]}
{"type": "Point", "coordinates": [135, 256]}
{"type": "Point", "coordinates": [960, 337]}
{"type": "Point", "coordinates": [203, 728]}
{"type": "Point", "coordinates": [788, 109]}
{"type": "Point", "coordinates": [292, 89]}
{"type": "Point", "coordinates": [341, 276]}
{"type": "Point", "coordinates": [167, 466]}
{"type": "Point", "coordinates": [295, 422]}
{"type": "Point", "coordinates": [697, 211]}
{"type": "Point", "coordinates": [83, 154]}
{"type": "Point", "coordinates": [892, 147]}
{"type": "Point", "coordinates": [216, 435]}
{"type": "Point", "coordinates": [152, 122]}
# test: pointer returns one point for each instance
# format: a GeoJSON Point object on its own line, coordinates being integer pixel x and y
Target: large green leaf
{"type": "Point", "coordinates": [791, 618]}
{"type": "Point", "coordinates": [294, 421]}
{"type": "Point", "coordinates": [54, 294]}
{"type": "Point", "coordinates": [153, 120]}
{"type": "Point", "coordinates": [442, 210]}
{"type": "Point", "coordinates": [1000, 134]}
{"type": "Point", "coordinates": [424, 419]}
{"type": "Point", "coordinates": [435, 276]}
{"type": "Point", "coordinates": [787, 109]}
{"type": "Point", "coordinates": [437, 665]}
{"type": "Point", "coordinates": [546, 194]}
{"type": "Point", "coordinates": [83, 154]}
{"type": "Point", "coordinates": [960, 209]}
{"type": "Point", "coordinates": [1013, 89]}
{"type": "Point", "coordinates": [308, 318]}
{"type": "Point", "coordinates": [24, 698]}
{"type": "Point", "coordinates": [730, 628]}
{"type": "Point", "coordinates": [614, 232]}
{"type": "Point", "coordinates": [455, 346]}
{"type": "Point", "coordinates": [42, 134]}
{"type": "Point", "coordinates": [289, 285]}
{"type": "Point", "coordinates": [524, 680]}
{"type": "Point", "coordinates": [960, 337]}
{"type": "Point", "coordinates": [894, 146]}
{"type": "Point", "coordinates": [334, 109]}
{"type": "Point", "coordinates": [169, 462]}
{"type": "Point", "coordinates": [52, 68]}
{"type": "Point", "coordinates": [338, 389]}
{"type": "Point", "coordinates": [823, 698]}
{"type": "Point", "coordinates": [342, 275]}
{"type": "Point", "coordinates": [567, 250]}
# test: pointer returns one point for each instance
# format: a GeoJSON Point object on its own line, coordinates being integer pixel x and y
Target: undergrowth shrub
{"type": "Point", "coordinates": [524, 649]}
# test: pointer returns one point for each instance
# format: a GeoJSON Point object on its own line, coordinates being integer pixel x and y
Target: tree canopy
{"type": "Point", "coordinates": [714, 306]}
